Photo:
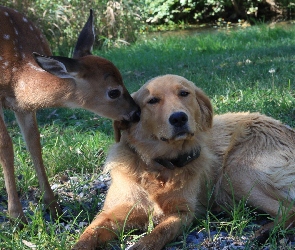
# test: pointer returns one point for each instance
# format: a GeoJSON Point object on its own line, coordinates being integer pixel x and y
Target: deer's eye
{"type": "Point", "coordinates": [184, 93]}
{"type": "Point", "coordinates": [153, 100]}
{"type": "Point", "coordinates": [114, 93]}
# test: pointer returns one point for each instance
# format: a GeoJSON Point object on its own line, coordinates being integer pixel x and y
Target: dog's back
{"type": "Point", "coordinates": [258, 155]}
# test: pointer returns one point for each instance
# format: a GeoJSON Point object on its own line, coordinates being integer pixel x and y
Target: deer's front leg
{"type": "Point", "coordinates": [7, 162]}
{"type": "Point", "coordinates": [108, 223]}
{"type": "Point", "coordinates": [28, 125]}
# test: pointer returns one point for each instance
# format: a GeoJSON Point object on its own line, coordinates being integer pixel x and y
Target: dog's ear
{"type": "Point", "coordinates": [137, 96]}
{"type": "Point", "coordinates": [206, 109]}
{"type": "Point", "coordinates": [121, 125]}
{"type": "Point", "coordinates": [117, 130]}
{"type": "Point", "coordinates": [118, 126]}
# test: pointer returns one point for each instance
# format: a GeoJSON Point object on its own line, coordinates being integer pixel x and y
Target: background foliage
{"type": "Point", "coordinates": [61, 20]}
{"type": "Point", "coordinates": [119, 22]}
{"type": "Point", "coordinates": [190, 10]}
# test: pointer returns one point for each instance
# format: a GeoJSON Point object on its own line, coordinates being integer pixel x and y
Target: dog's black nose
{"type": "Point", "coordinates": [178, 119]}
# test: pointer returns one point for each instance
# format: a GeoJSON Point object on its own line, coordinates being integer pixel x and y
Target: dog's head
{"type": "Point", "coordinates": [173, 111]}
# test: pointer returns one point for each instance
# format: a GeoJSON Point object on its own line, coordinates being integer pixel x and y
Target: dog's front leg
{"type": "Point", "coordinates": [97, 233]}
{"type": "Point", "coordinates": [108, 223]}
{"type": "Point", "coordinates": [164, 232]}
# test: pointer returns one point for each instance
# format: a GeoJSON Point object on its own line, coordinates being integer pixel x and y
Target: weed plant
{"type": "Point", "coordinates": [249, 69]}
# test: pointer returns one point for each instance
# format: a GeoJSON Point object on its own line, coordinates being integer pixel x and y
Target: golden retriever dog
{"type": "Point", "coordinates": [164, 166]}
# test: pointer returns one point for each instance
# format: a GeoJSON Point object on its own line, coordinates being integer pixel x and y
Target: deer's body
{"type": "Point", "coordinates": [18, 38]}
{"type": "Point", "coordinates": [87, 81]}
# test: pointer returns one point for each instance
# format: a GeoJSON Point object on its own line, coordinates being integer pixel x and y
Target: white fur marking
{"type": "Point", "coordinates": [6, 36]}
{"type": "Point", "coordinates": [32, 66]}
{"type": "Point", "coordinates": [22, 85]}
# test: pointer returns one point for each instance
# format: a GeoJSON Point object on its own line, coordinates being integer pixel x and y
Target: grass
{"type": "Point", "coordinates": [249, 69]}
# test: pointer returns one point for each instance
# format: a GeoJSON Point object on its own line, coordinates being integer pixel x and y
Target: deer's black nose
{"type": "Point", "coordinates": [135, 117]}
{"type": "Point", "coordinates": [178, 119]}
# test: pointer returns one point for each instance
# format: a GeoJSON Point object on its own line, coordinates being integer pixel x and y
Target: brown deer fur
{"type": "Point", "coordinates": [86, 81]}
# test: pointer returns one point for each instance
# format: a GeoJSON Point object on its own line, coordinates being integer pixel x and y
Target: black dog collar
{"type": "Point", "coordinates": [180, 161]}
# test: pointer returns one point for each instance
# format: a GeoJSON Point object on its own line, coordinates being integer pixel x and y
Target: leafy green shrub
{"type": "Point", "coordinates": [173, 10]}
{"type": "Point", "coordinates": [116, 22]}
{"type": "Point", "coordinates": [161, 11]}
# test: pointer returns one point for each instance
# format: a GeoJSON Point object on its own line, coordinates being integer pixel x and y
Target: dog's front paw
{"type": "Point", "coordinates": [80, 245]}
{"type": "Point", "coordinates": [87, 241]}
{"type": "Point", "coordinates": [261, 235]}
{"type": "Point", "coordinates": [140, 245]}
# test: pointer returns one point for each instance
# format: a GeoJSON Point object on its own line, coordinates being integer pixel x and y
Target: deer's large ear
{"type": "Point", "coordinates": [205, 108]}
{"type": "Point", "coordinates": [61, 67]}
{"type": "Point", "coordinates": [86, 39]}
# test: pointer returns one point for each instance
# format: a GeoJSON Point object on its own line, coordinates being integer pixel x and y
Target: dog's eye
{"type": "Point", "coordinates": [184, 93]}
{"type": "Point", "coordinates": [114, 93]}
{"type": "Point", "coordinates": [153, 100]}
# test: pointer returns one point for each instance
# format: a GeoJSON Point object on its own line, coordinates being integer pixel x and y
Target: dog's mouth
{"type": "Point", "coordinates": [182, 136]}
{"type": "Point", "coordinates": [179, 135]}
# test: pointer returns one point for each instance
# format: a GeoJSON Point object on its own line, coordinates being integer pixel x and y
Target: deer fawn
{"type": "Point", "coordinates": [29, 82]}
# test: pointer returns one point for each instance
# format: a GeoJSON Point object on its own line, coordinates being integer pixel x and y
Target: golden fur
{"type": "Point", "coordinates": [242, 154]}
